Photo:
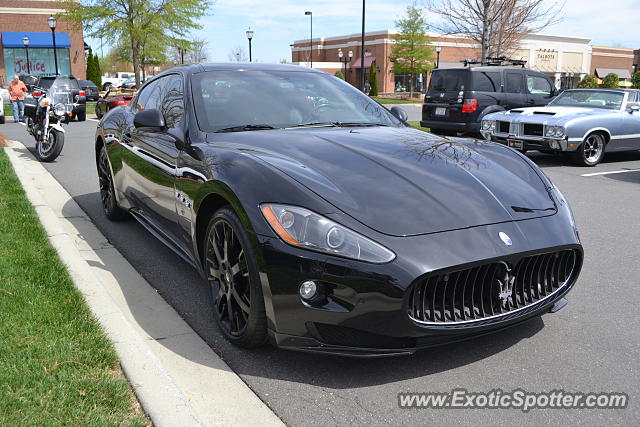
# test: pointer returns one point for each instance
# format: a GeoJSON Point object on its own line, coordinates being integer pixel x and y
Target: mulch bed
{"type": "Point", "coordinates": [3, 142]}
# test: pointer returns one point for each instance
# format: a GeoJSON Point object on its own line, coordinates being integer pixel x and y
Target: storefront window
{"type": "Point", "coordinates": [402, 83]}
{"type": "Point", "coordinates": [41, 61]}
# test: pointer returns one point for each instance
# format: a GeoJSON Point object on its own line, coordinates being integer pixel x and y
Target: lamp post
{"type": "Point", "coordinates": [344, 60]}
{"type": "Point", "coordinates": [52, 24]}
{"type": "Point", "coordinates": [310, 14]}
{"type": "Point", "coordinates": [362, 52]}
{"type": "Point", "coordinates": [250, 37]}
{"type": "Point", "coordinates": [438, 50]}
{"type": "Point", "coordinates": [25, 41]}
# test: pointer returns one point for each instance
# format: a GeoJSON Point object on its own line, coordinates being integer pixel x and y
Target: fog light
{"type": "Point", "coordinates": [554, 145]}
{"type": "Point", "coordinates": [308, 290]}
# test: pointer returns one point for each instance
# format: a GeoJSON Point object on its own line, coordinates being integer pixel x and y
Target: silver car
{"type": "Point", "coordinates": [584, 123]}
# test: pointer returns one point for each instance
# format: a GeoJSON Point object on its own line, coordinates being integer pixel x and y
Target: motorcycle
{"type": "Point", "coordinates": [53, 107]}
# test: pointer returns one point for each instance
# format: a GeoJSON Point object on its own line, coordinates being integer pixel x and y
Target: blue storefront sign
{"type": "Point", "coordinates": [41, 57]}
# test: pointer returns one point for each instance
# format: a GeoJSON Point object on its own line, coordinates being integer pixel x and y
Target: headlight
{"type": "Point", "coordinates": [60, 110]}
{"type": "Point", "coordinates": [489, 125]}
{"type": "Point", "coordinates": [554, 131]}
{"type": "Point", "coordinates": [303, 228]}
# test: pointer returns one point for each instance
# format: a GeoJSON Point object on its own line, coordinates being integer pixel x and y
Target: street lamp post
{"type": "Point", "coordinates": [310, 14]}
{"type": "Point", "coordinates": [52, 24]}
{"type": "Point", "coordinates": [362, 51]}
{"type": "Point", "coordinates": [344, 60]}
{"type": "Point", "coordinates": [438, 49]}
{"type": "Point", "coordinates": [250, 37]}
{"type": "Point", "coordinates": [25, 41]}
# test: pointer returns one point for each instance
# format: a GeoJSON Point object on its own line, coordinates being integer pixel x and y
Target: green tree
{"type": "Point", "coordinates": [373, 79]}
{"type": "Point", "coordinates": [90, 66]}
{"type": "Point", "coordinates": [635, 80]}
{"type": "Point", "coordinates": [134, 22]}
{"type": "Point", "coordinates": [97, 72]}
{"type": "Point", "coordinates": [411, 54]}
{"type": "Point", "coordinates": [339, 74]}
{"type": "Point", "coordinates": [610, 81]}
{"type": "Point", "coordinates": [588, 82]}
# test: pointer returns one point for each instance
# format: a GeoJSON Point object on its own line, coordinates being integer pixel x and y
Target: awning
{"type": "Point", "coordinates": [14, 39]}
{"type": "Point", "coordinates": [622, 73]}
{"type": "Point", "coordinates": [368, 60]}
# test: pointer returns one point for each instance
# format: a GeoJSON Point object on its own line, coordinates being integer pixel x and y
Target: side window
{"type": "Point", "coordinates": [537, 85]}
{"type": "Point", "coordinates": [486, 82]}
{"type": "Point", "coordinates": [172, 102]}
{"type": "Point", "coordinates": [144, 95]}
{"type": "Point", "coordinates": [514, 83]}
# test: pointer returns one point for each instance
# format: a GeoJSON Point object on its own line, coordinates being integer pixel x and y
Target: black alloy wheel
{"type": "Point", "coordinates": [107, 190]}
{"type": "Point", "coordinates": [233, 277]}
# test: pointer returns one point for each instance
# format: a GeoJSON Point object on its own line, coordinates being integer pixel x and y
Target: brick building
{"type": "Point", "coordinates": [29, 18]}
{"type": "Point", "coordinates": [565, 59]}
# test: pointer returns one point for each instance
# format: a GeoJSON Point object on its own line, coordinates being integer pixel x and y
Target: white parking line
{"type": "Point", "coordinates": [609, 173]}
{"type": "Point", "coordinates": [94, 120]}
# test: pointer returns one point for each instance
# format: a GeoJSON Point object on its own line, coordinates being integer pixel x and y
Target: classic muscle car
{"type": "Point", "coordinates": [584, 123]}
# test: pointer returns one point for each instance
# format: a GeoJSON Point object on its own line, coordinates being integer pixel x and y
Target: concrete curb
{"type": "Point", "coordinates": [192, 388]}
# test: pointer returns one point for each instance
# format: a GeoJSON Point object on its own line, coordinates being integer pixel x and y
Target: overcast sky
{"type": "Point", "coordinates": [277, 23]}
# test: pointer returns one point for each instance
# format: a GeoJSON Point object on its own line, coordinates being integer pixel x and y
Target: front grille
{"type": "Point", "coordinates": [491, 290]}
{"type": "Point", "coordinates": [532, 129]}
{"type": "Point", "coordinates": [503, 127]}
{"type": "Point", "coordinates": [343, 336]}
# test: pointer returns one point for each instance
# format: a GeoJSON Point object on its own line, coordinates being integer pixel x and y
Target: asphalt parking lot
{"type": "Point", "coordinates": [592, 345]}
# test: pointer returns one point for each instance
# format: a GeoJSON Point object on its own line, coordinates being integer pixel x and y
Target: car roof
{"type": "Point", "coordinates": [595, 89]}
{"type": "Point", "coordinates": [237, 66]}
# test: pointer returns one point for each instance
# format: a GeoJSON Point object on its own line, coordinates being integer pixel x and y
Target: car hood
{"type": "Point", "coordinates": [547, 114]}
{"type": "Point", "coordinates": [401, 181]}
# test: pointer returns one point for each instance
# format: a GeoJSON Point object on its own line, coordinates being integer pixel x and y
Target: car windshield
{"type": "Point", "coordinates": [252, 100]}
{"type": "Point", "coordinates": [608, 100]}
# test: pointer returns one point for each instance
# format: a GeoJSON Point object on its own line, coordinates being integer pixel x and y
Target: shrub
{"type": "Point", "coordinates": [339, 74]}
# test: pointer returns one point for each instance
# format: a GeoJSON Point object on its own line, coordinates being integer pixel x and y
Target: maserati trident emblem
{"type": "Point", "coordinates": [505, 285]}
{"type": "Point", "coordinates": [505, 238]}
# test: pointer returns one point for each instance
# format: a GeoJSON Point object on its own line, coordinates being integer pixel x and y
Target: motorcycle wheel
{"type": "Point", "coordinates": [48, 151]}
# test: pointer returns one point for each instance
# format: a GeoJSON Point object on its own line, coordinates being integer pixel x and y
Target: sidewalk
{"type": "Point", "coordinates": [178, 378]}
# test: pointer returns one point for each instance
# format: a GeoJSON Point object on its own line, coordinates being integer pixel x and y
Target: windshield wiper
{"type": "Point", "coordinates": [355, 124]}
{"type": "Point", "coordinates": [313, 124]}
{"type": "Point", "coordinates": [242, 128]}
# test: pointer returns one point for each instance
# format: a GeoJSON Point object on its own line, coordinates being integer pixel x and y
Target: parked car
{"type": "Point", "coordinates": [583, 123]}
{"type": "Point", "coordinates": [323, 221]}
{"type": "Point", "coordinates": [90, 89]}
{"type": "Point", "coordinates": [458, 98]}
{"type": "Point", "coordinates": [115, 81]}
{"type": "Point", "coordinates": [79, 109]}
{"type": "Point", "coordinates": [112, 99]}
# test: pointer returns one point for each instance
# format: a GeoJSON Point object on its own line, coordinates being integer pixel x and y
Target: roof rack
{"type": "Point", "coordinates": [495, 61]}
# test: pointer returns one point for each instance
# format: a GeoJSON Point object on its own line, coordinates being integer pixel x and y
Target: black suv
{"type": "Point", "coordinates": [77, 93]}
{"type": "Point", "coordinates": [458, 98]}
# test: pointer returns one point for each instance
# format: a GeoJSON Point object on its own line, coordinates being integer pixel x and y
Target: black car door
{"type": "Point", "coordinates": [151, 176]}
{"type": "Point", "coordinates": [539, 90]}
{"type": "Point", "coordinates": [514, 88]}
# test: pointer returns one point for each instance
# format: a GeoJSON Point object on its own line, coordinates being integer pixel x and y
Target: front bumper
{"type": "Point", "coordinates": [367, 314]}
{"type": "Point", "coordinates": [530, 142]}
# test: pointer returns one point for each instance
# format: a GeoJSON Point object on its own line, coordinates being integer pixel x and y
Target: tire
{"type": "Point", "coordinates": [591, 151]}
{"type": "Point", "coordinates": [82, 116]}
{"type": "Point", "coordinates": [98, 113]}
{"type": "Point", "coordinates": [232, 273]}
{"type": "Point", "coordinates": [107, 191]}
{"type": "Point", "coordinates": [2, 117]}
{"type": "Point", "coordinates": [48, 152]}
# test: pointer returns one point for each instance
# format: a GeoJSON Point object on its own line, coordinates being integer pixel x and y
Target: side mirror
{"type": "Point", "coordinates": [151, 119]}
{"type": "Point", "coordinates": [633, 107]}
{"type": "Point", "coordinates": [399, 113]}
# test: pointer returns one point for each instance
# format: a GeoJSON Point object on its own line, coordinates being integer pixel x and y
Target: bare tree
{"type": "Point", "coordinates": [193, 51]}
{"type": "Point", "coordinates": [497, 25]}
{"type": "Point", "coordinates": [238, 54]}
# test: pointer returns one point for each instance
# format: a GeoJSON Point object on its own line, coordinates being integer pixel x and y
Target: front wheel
{"type": "Point", "coordinates": [232, 273]}
{"type": "Point", "coordinates": [49, 150]}
{"type": "Point", "coordinates": [591, 151]}
{"type": "Point", "coordinates": [107, 189]}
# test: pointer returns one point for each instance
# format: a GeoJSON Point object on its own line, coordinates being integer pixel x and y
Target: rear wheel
{"type": "Point", "coordinates": [49, 150]}
{"type": "Point", "coordinates": [107, 189]}
{"type": "Point", "coordinates": [82, 116]}
{"type": "Point", "coordinates": [233, 277]}
{"type": "Point", "coordinates": [591, 151]}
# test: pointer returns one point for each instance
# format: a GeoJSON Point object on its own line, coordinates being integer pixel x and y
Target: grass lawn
{"type": "Point", "coordinates": [395, 100]}
{"type": "Point", "coordinates": [56, 365]}
{"type": "Point", "coordinates": [417, 126]}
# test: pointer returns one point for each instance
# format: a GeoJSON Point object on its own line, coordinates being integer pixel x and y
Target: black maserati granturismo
{"type": "Point", "coordinates": [323, 222]}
